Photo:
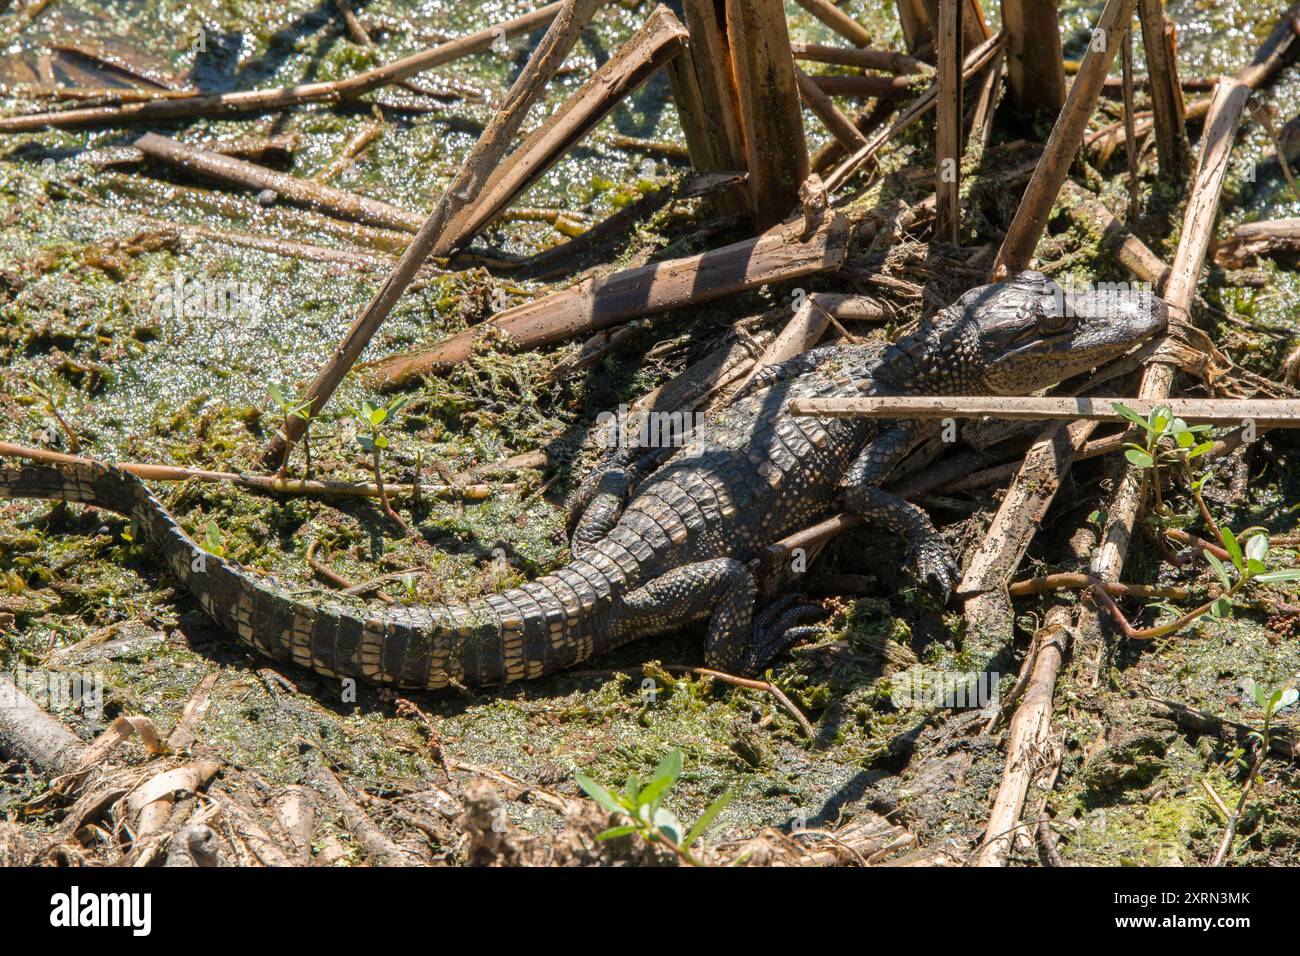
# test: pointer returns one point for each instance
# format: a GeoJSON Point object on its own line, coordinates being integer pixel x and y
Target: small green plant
{"type": "Point", "coordinates": [293, 408]}
{"type": "Point", "coordinates": [374, 440]}
{"type": "Point", "coordinates": [1170, 443]}
{"type": "Point", "coordinates": [1270, 702]}
{"type": "Point", "coordinates": [642, 808]}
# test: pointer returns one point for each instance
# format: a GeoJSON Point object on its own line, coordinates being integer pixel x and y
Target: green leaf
{"type": "Point", "coordinates": [277, 395]}
{"type": "Point", "coordinates": [1139, 457]}
{"type": "Point", "coordinates": [1257, 547]}
{"type": "Point", "coordinates": [631, 790]}
{"type": "Point", "coordinates": [1160, 416]}
{"type": "Point", "coordinates": [366, 442]}
{"type": "Point", "coordinates": [1134, 417]}
{"type": "Point", "coordinates": [597, 792]}
{"type": "Point", "coordinates": [1286, 698]}
{"type": "Point", "coordinates": [666, 822]}
{"type": "Point", "coordinates": [613, 832]}
{"type": "Point", "coordinates": [381, 442]}
{"type": "Point", "coordinates": [1185, 439]}
{"type": "Point", "coordinates": [1200, 449]}
{"type": "Point", "coordinates": [1233, 548]}
{"type": "Point", "coordinates": [704, 822]}
{"type": "Point", "coordinates": [1221, 608]}
{"type": "Point", "coordinates": [666, 774]}
{"type": "Point", "coordinates": [1273, 577]}
{"type": "Point", "coordinates": [1261, 695]}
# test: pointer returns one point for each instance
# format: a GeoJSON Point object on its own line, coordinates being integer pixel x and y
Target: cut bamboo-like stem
{"type": "Point", "coordinates": [1028, 739]}
{"type": "Point", "coordinates": [635, 293]}
{"type": "Point", "coordinates": [838, 20]}
{"type": "Point", "coordinates": [839, 125]}
{"type": "Point", "coordinates": [1063, 143]}
{"type": "Point", "coordinates": [1034, 65]}
{"type": "Point", "coordinates": [245, 101]}
{"type": "Point", "coordinates": [463, 189]}
{"type": "Point", "coordinates": [720, 119]}
{"type": "Point", "coordinates": [771, 120]}
{"type": "Point", "coordinates": [661, 38]}
{"type": "Point", "coordinates": [948, 121]}
{"type": "Point", "coordinates": [1264, 412]}
{"type": "Point", "coordinates": [1130, 127]}
{"type": "Point", "coordinates": [304, 192]}
{"type": "Point", "coordinates": [1167, 106]}
{"type": "Point", "coordinates": [862, 87]}
{"type": "Point", "coordinates": [885, 60]}
{"type": "Point", "coordinates": [260, 483]}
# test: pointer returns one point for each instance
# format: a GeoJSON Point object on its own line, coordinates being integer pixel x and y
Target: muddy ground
{"type": "Point", "coordinates": [85, 251]}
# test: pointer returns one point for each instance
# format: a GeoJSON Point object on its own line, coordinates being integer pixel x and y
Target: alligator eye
{"type": "Point", "coordinates": [1053, 323]}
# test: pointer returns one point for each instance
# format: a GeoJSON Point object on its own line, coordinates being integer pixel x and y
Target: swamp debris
{"type": "Point", "coordinates": [463, 190]}
{"type": "Point", "coordinates": [171, 108]}
{"type": "Point", "coordinates": [258, 179]}
{"type": "Point", "coordinates": [1029, 739]}
{"type": "Point", "coordinates": [1062, 144]}
{"type": "Point", "coordinates": [598, 303]}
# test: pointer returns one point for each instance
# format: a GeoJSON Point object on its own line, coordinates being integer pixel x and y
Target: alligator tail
{"type": "Point", "coordinates": [540, 628]}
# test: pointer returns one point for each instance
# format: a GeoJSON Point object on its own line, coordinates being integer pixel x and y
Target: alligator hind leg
{"type": "Point", "coordinates": [723, 590]}
{"type": "Point", "coordinates": [599, 500]}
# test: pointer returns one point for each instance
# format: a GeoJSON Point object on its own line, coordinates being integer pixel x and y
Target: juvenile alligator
{"type": "Point", "coordinates": [657, 551]}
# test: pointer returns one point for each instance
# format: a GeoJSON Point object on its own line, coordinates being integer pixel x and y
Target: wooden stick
{"type": "Point", "coordinates": [948, 122]}
{"type": "Point", "coordinates": [1168, 108]}
{"type": "Point", "coordinates": [885, 60]}
{"type": "Point", "coordinates": [245, 101]}
{"type": "Point", "coordinates": [594, 304]}
{"type": "Point", "coordinates": [1130, 134]}
{"type": "Point", "coordinates": [1034, 55]}
{"type": "Point", "coordinates": [1266, 413]}
{"type": "Point", "coordinates": [810, 322]}
{"type": "Point", "coordinates": [975, 60]}
{"type": "Point", "coordinates": [464, 188]}
{"type": "Point", "coordinates": [863, 87]}
{"type": "Point", "coordinates": [304, 192]}
{"type": "Point", "coordinates": [713, 124]}
{"type": "Point", "coordinates": [1116, 238]}
{"type": "Point", "coordinates": [368, 836]}
{"type": "Point", "coordinates": [839, 125]}
{"type": "Point", "coordinates": [29, 734]}
{"type": "Point", "coordinates": [771, 121]}
{"type": "Point", "coordinates": [1028, 739]}
{"type": "Point", "coordinates": [258, 483]}
{"type": "Point", "coordinates": [1063, 143]}
{"type": "Point", "coordinates": [658, 41]}
{"type": "Point", "coordinates": [838, 20]}
{"type": "Point", "coordinates": [1198, 224]}
{"type": "Point", "coordinates": [987, 610]}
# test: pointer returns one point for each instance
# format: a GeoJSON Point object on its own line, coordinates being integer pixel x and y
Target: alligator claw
{"type": "Point", "coordinates": [935, 570]}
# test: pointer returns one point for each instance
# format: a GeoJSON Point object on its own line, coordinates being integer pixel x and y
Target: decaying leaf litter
{"type": "Point", "coordinates": [94, 237]}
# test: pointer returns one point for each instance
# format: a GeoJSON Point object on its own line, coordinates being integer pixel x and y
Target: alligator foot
{"type": "Point", "coordinates": [934, 567]}
{"type": "Point", "coordinates": [775, 629]}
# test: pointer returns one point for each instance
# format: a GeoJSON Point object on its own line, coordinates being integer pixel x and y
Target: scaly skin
{"type": "Point", "coordinates": [658, 548]}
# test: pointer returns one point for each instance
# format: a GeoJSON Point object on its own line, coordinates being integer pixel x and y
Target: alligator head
{"type": "Point", "coordinates": [1019, 336]}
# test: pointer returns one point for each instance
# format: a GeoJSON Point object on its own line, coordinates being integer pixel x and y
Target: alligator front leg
{"type": "Point", "coordinates": [861, 494]}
